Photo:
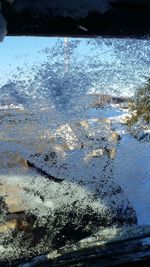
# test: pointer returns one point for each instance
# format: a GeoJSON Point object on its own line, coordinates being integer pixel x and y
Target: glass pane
{"type": "Point", "coordinates": [74, 143]}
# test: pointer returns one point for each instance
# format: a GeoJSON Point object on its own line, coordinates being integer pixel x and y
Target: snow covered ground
{"type": "Point", "coordinates": [78, 144]}
{"type": "Point", "coordinates": [132, 165]}
{"type": "Point", "coordinates": [105, 170]}
{"type": "Point", "coordinates": [132, 172]}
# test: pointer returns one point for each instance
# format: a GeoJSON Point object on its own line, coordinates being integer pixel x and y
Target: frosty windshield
{"type": "Point", "coordinates": [74, 144]}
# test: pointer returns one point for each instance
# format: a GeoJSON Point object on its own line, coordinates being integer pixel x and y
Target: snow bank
{"type": "Point", "coordinates": [141, 131]}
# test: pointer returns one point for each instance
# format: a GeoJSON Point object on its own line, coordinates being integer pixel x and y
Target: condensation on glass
{"type": "Point", "coordinates": [74, 144]}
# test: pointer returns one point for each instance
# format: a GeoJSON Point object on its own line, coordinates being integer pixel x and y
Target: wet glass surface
{"type": "Point", "coordinates": [74, 142]}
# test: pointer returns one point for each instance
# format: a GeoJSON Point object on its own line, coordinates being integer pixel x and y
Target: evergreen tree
{"type": "Point", "coordinates": [140, 105]}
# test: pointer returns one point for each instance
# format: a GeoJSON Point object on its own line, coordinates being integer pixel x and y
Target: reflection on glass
{"type": "Point", "coordinates": [74, 143]}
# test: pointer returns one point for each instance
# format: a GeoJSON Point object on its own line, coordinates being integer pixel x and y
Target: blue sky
{"type": "Point", "coordinates": [12, 48]}
{"type": "Point", "coordinates": [24, 52]}
{"type": "Point", "coordinates": [19, 51]}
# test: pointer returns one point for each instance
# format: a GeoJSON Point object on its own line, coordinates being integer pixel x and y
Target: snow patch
{"type": "Point", "coordinates": [11, 106]}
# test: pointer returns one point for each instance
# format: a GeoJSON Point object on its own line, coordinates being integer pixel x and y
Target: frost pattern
{"type": "Point", "coordinates": [66, 151]}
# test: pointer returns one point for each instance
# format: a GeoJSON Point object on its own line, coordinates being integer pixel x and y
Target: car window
{"type": "Point", "coordinates": [74, 145]}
